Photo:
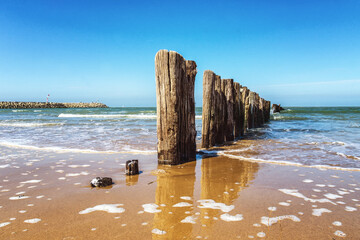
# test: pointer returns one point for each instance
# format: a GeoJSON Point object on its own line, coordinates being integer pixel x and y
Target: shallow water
{"type": "Point", "coordinates": [328, 136]}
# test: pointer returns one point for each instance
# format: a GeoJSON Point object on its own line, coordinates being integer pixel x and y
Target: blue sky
{"type": "Point", "coordinates": [297, 53]}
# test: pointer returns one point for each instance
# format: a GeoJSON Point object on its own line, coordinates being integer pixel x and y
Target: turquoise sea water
{"type": "Point", "coordinates": [328, 136]}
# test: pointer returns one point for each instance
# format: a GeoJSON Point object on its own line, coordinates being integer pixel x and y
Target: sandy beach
{"type": "Point", "coordinates": [46, 195]}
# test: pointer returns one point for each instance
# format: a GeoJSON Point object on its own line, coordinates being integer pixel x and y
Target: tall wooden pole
{"type": "Point", "coordinates": [175, 108]}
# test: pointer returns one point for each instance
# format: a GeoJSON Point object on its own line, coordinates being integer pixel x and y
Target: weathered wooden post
{"type": "Point", "coordinates": [229, 124]}
{"type": "Point", "coordinates": [175, 108]}
{"type": "Point", "coordinates": [237, 110]}
{"type": "Point", "coordinates": [220, 109]}
{"type": "Point", "coordinates": [245, 108]}
{"type": "Point", "coordinates": [208, 111]}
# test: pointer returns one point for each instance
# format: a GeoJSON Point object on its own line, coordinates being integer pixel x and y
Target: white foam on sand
{"type": "Point", "coordinates": [272, 208]}
{"type": "Point", "coordinates": [350, 209]}
{"type": "Point", "coordinates": [18, 197]}
{"type": "Point", "coordinates": [151, 208]}
{"type": "Point", "coordinates": [185, 198]}
{"type": "Point", "coordinates": [268, 221]}
{"type": "Point", "coordinates": [342, 192]}
{"type": "Point", "coordinates": [295, 193]}
{"type": "Point", "coordinates": [308, 181]}
{"type": "Point", "coordinates": [4, 166]}
{"type": "Point", "coordinates": [110, 208]}
{"type": "Point", "coordinates": [318, 211]}
{"type": "Point", "coordinates": [158, 231]}
{"type": "Point", "coordinates": [339, 233]}
{"type": "Point", "coordinates": [182, 204]}
{"type": "Point", "coordinates": [76, 174]}
{"type": "Point", "coordinates": [34, 220]}
{"type": "Point", "coordinates": [337, 223]}
{"type": "Point", "coordinates": [261, 234]}
{"type": "Point", "coordinates": [209, 203]}
{"type": "Point", "coordinates": [77, 166]}
{"type": "Point", "coordinates": [189, 219]}
{"type": "Point", "coordinates": [231, 218]}
{"type": "Point", "coordinates": [332, 196]}
{"type": "Point", "coordinates": [284, 204]}
{"type": "Point", "coordinates": [4, 224]}
{"type": "Point", "coordinates": [31, 181]}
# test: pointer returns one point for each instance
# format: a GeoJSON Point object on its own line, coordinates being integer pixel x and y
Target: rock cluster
{"type": "Point", "coordinates": [24, 105]}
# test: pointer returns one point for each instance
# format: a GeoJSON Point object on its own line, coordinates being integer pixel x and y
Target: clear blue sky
{"type": "Point", "coordinates": [297, 53]}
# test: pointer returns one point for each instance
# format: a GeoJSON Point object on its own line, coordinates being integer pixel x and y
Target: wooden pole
{"type": "Point", "coordinates": [237, 110]}
{"type": "Point", "coordinates": [229, 123]}
{"type": "Point", "coordinates": [175, 108]}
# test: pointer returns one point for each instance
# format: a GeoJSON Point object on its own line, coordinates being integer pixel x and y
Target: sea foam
{"type": "Point", "coordinates": [110, 208]}
{"type": "Point", "coordinates": [268, 221]}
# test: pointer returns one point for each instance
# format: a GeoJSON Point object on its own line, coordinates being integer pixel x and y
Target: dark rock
{"type": "Point", "coordinates": [277, 108]}
{"type": "Point", "coordinates": [101, 182]}
{"type": "Point", "coordinates": [132, 167]}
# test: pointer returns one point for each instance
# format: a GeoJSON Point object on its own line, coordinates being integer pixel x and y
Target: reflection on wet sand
{"type": "Point", "coordinates": [183, 216]}
{"type": "Point", "coordinates": [172, 184]}
{"type": "Point", "coordinates": [221, 181]}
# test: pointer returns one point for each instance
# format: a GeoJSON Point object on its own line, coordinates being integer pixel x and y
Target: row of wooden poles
{"type": "Point", "coordinates": [229, 109]}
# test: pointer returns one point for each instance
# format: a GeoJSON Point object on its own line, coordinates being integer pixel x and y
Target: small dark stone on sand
{"type": "Point", "coordinates": [101, 182]}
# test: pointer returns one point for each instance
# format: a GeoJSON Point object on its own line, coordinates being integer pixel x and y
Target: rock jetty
{"type": "Point", "coordinates": [24, 105]}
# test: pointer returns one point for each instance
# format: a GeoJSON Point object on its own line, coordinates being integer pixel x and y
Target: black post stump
{"type": "Point", "coordinates": [132, 167]}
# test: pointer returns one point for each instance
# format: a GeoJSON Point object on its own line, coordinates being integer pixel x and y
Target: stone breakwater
{"type": "Point", "coordinates": [24, 105]}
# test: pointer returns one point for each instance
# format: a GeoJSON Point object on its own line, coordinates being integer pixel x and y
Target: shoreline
{"type": "Point", "coordinates": [34, 105]}
{"type": "Point", "coordinates": [211, 198]}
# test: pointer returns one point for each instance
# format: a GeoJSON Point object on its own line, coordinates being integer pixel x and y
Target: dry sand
{"type": "Point", "coordinates": [46, 195]}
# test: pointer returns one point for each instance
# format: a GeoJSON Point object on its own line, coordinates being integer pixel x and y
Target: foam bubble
{"type": "Point", "coordinates": [350, 209]}
{"type": "Point", "coordinates": [308, 181]}
{"type": "Point", "coordinates": [209, 203]}
{"type": "Point", "coordinates": [34, 220]}
{"type": "Point", "coordinates": [272, 220]}
{"type": "Point", "coordinates": [158, 231]}
{"type": "Point", "coordinates": [151, 208]}
{"type": "Point", "coordinates": [4, 224]}
{"type": "Point", "coordinates": [76, 174]}
{"type": "Point", "coordinates": [18, 197]}
{"type": "Point", "coordinates": [295, 193]}
{"type": "Point", "coordinates": [339, 233]}
{"type": "Point", "coordinates": [31, 181]}
{"type": "Point", "coordinates": [332, 196]}
{"type": "Point", "coordinates": [110, 208]}
{"type": "Point", "coordinates": [182, 204]}
{"type": "Point", "coordinates": [318, 211]}
{"type": "Point", "coordinates": [337, 223]}
{"type": "Point", "coordinates": [4, 166]}
{"type": "Point", "coordinates": [230, 218]}
{"type": "Point", "coordinates": [77, 166]}
{"type": "Point", "coordinates": [185, 198]}
{"type": "Point", "coordinates": [189, 219]}
{"type": "Point", "coordinates": [284, 204]}
{"type": "Point", "coordinates": [261, 234]}
{"type": "Point", "coordinates": [272, 208]}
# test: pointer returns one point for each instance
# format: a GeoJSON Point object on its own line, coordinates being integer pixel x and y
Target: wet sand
{"type": "Point", "coordinates": [216, 197]}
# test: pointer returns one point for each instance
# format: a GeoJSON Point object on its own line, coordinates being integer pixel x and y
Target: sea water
{"type": "Point", "coordinates": [308, 136]}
